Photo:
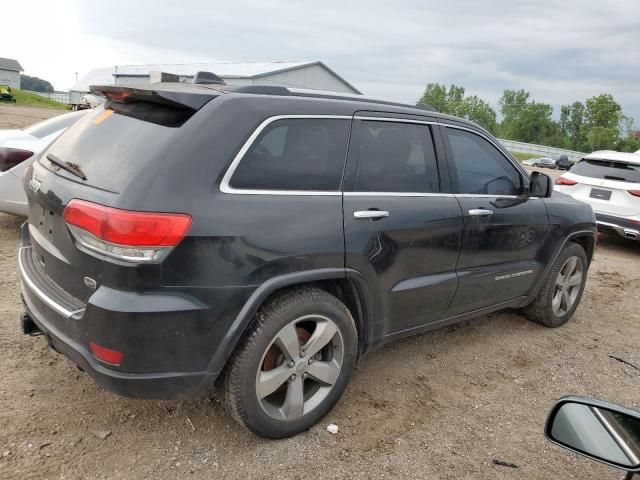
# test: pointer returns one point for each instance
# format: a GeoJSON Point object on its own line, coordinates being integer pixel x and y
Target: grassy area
{"type": "Point", "coordinates": [523, 156]}
{"type": "Point", "coordinates": [28, 99]}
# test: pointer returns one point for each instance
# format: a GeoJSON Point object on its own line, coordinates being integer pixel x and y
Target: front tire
{"type": "Point", "coordinates": [292, 365]}
{"type": "Point", "coordinates": [562, 289]}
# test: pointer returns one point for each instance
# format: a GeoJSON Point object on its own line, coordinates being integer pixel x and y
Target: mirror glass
{"type": "Point", "coordinates": [604, 434]}
{"type": "Point", "coordinates": [540, 185]}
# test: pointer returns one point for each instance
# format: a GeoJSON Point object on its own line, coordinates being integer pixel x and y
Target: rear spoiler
{"type": "Point", "coordinates": [177, 96]}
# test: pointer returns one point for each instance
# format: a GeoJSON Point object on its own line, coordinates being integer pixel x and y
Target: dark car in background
{"type": "Point", "coordinates": [260, 240]}
{"type": "Point", "coordinates": [563, 162]}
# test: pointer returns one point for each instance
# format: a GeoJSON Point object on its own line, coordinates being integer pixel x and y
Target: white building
{"type": "Point", "coordinates": [10, 72]}
{"type": "Point", "coordinates": [314, 75]}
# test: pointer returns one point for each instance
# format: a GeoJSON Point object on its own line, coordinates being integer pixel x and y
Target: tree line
{"type": "Point", "coordinates": [35, 84]}
{"type": "Point", "coordinates": [596, 124]}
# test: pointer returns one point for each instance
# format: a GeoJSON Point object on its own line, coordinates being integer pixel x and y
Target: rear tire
{"type": "Point", "coordinates": [293, 364]}
{"type": "Point", "coordinates": [562, 289]}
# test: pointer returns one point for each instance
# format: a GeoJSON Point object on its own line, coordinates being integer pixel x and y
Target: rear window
{"type": "Point", "coordinates": [295, 154]}
{"type": "Point", "coordinates": [607, 170]}
{"type": "Point", "coordinates": [110, 148]}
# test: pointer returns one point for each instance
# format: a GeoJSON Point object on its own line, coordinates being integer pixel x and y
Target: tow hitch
{"type": "Point", "coordinates": [29, 327]}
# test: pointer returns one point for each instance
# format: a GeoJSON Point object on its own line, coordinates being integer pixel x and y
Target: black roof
{"type": "Point", "coordinates": [10, 64]}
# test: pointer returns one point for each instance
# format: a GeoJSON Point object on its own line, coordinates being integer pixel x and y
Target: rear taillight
{"type": "Point", "coordinates": [635, 193]}
{"type": "Point", "coordinates": [123, 234]}
{"type": "Point", "coordinates": [10, 157]}
{"type": "Point", "coordinates": [565, 181]}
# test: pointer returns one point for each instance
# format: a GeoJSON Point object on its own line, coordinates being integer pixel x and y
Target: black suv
{"type": "Point", "coordinates": [261, 240]}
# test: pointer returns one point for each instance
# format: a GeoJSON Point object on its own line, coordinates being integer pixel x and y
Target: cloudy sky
{"type": "Point", "coordinates": [560, 51]}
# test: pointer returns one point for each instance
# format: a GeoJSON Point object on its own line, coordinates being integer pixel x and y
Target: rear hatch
{"type": "Point", "coordinates": [610, 187]}
{"type": "Point", "coordinates": [95, 160]}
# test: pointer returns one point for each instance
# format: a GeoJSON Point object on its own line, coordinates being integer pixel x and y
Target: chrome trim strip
{"type": "Point", "coordinates": [40, 294]}
{"type": "Point", "coordinates": [396, 194]}
{"type": "Point", "coordinates": [484, 195]}
{"type": "Point", "coordinates": [225, 187]}
{"type": "Point", "coordinates": [396, 120]}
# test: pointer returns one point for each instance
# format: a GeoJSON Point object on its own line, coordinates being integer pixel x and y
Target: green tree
{"type": "Point", "coordinates": [453, 102]}
{"type": "Point", "coordinates": [35, 84]}
{"type": "Point", "coordinates": [572, 125]}
{"type": "Point", "coordinates": [528, 121]}
{"type": "Point", "coordinates": [604, 120]}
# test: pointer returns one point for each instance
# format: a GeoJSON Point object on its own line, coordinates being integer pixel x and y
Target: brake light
{"type": "Point", "coordinates": [106, 355]}
{"type": "Point", "coordinates": [124, 234]}
{"type": "Point", "coordinates": [10, 157]}
{"type": "Point", "coordinates": [117, 96]}
{"type": "Point", "coordinates": [635, 193]}
{"type": "Point", "coordinates": [565, 181]}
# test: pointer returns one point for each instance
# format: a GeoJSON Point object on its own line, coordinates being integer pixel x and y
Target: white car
{"type": "Point", "coordinates": [18, 148]}
{"type": "Point", "coordinates": [610, 182]}
{"type": "Point", "coordinates": [541, 162]}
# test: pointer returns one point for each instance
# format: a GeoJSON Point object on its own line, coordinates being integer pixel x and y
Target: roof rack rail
{"type": "Point", "coordinates": [301, 92]}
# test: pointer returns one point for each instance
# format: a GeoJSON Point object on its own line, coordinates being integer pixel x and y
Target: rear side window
{"type": "Point", "coordinates": [480, 167]}
{"type": "Point", "coordinates": [607, 170]}
{"type": "Point", "coordinates": [55, 124]}
{"type": "Point", "coordinates": [395, 157]}
{"type": "Point", "coordinates": [109, 148]}
{"type": "Point", "coordinates": [295, 154]}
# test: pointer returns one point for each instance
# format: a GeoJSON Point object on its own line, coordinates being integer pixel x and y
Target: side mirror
{"type": "Point", "coordinates": [601, 431]}
{"type": "Point", "coordinates": [540, 185]}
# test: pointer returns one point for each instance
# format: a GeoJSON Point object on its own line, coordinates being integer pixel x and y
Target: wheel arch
{"type": "Point", "coordinates": [585, 238]}
{"type": "Point", "coordinates": [346, 284]}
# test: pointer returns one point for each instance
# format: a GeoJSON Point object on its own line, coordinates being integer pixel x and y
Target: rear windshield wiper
{"type": "Point", "coordinates": [68, 166]}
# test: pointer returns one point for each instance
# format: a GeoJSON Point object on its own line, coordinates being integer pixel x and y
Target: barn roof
{"type": "Point", "coordinates": [106, 76]}
{"type": "Point", "coordinates": [10, 64]}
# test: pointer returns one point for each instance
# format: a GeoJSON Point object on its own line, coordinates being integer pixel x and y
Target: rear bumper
{"type": "Point", "coordinates": [161, 386]}
{"type": "Point", "coordinates": [69, 325]}
{"type": "Point", "coordinates": [622, 226]}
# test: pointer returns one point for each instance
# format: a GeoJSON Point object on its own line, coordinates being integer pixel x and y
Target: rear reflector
{"type": "Point", "coordinates": [123, 234]}
{"type": "Point", "coordinates": [635, 193]}
{"type": "Point", "coordinates": [564, 181]}
{"type": "Point", "coordinates": [106, 355]}
{"type": "Point", "coordinates": [10, 157]}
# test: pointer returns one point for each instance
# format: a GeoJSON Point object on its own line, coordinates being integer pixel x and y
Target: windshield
{"type": "Point", "coordinates": [52, 125]}
{"type": "Point", "coordinates": [607, 170]}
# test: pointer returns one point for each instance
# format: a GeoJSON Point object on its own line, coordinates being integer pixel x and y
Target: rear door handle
{"type": "Point", "coordinates": [480, 212]}
{"type": "Point", "coordinates": [371, 214]}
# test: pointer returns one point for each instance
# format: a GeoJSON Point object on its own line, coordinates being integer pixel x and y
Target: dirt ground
{"type": "Point", "coordinates": [12, 116]}
{"type": "Point", "coordinates": [446, 404]}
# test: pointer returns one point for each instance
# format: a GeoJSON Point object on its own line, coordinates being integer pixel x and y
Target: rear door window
{"type": "Point", "coordinates": [301, 154]}
{"type": "Point", "coordinates": [480, 168]}
{"type": "Point", "coordinates": [607, 170]}
{"type": "Point", "coordinates": [395, 157]}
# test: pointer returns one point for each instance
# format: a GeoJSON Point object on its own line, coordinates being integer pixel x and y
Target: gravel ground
{"type": "Point", "coordinates": [439, 405]}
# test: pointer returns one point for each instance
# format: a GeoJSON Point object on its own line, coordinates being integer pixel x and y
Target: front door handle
{"type": "Point", "coordinates": [480, 212]}
{"type": "Point", "coordinates": [371, 214]}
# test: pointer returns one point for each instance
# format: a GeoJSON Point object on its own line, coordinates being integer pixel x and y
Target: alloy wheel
{"type": "Point", "coordinates": [567, 286]}
{"type": "Point", "coordinates": [299, 367]}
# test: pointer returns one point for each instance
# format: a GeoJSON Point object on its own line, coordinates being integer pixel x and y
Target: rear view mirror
{"type": "Point", "coordinates": [604, 432]}
{"type": "Point", "coordinates": [540, 185]}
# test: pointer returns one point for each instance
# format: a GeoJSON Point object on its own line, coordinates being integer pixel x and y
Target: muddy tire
{"type": "Point", "coordinates": [293, 364]}
{"type": "Point", "coordinates": [562, 289]}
